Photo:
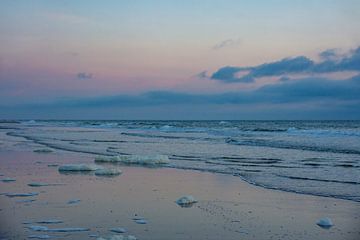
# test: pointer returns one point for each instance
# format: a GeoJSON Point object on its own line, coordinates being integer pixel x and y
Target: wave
{"type": "Point", "coordinates": [287, 145]}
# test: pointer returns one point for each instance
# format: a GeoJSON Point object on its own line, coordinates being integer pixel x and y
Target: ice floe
{"type": "Point", "coordinates": [108, 172]}
{"type": "Point", "coordinates": [22, 194]}
{"type": "Point", "coordinates": [135, 159]}
{"type": "Point", "coordinates": [186, 201]}
{"type": "Point", "coordinates": [325, 223]}
{"type": "Point", "coordinates": [8, 180]}
{"type": "Point", "coordinates": [140, 220]}
{"type": "Point", "coordinates": [46, 229]}
{"type": "Point", "coordinates": [79, 167]}
{"type": "Point", "coordinates": [118, 230]}
{"type": "Point", "coordinates": [118, 237]}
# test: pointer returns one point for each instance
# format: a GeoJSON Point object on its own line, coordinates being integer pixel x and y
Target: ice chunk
{"type": "Point", "coordinates": [73, 201]}
{"type": "Point", "coordinates": [22, 194]}
{"type": "Point", "coordinates": [44, 150]}
{"type": "Point", "coordinates": [108, 172]}
{"type": "Point", "coordinates": [39, 236]}
{"type": "Point", "coordinates": [140, 220]}
{"type": "Point", "coordinates": [118, 237]}
{"type": "Point", "coordinates": [79, 167]}
{"type": "Point", "coordinates": [50, 221]}
{"type": "Point", "coordinates": [135, 159]}
{"type": "Point", "coordinates": [8, 180]}
{"type": "Point", "coordinates": [186, 201]}
{"type": "Point", "coordinates": [118, 230]}
{"type": "Point", "coordinates": [325, 223]}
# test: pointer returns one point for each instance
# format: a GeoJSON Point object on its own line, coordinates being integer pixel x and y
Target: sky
{"type": "Point", "coordinates": [167, 59]}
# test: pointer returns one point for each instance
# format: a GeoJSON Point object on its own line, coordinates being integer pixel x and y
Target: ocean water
{"type": "Point", "coordinates": [312, 157]}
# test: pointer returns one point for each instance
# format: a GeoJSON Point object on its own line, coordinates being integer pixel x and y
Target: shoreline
{"type": "Point", "coordinates": [228, 207]}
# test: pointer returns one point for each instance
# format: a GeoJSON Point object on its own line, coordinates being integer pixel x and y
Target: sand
{"type": "Point", "coordinates": [227, 207]}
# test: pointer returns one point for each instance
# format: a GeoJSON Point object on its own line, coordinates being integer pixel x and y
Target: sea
{"type": "Point", "coordinates": [310, 157]}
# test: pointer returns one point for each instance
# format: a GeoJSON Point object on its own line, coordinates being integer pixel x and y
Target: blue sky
{"type": "Point", "coordinates": [180, 59]}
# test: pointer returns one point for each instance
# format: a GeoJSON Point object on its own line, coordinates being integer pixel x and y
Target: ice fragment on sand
{"type": "Point", "coordinates": [44, 150]}
{"type": "Point", "coordinates": [186, 201]}
{"type": "Point", "coordinates": [325, 223]}
{"type": "Point", "coordinates": [118, 237]}
{"type": "Point", "coordinates": [22, 194]}
{"type": "Point", "coordinates": [39, 236]}
{"type": "Point", "coordinates": [135, 159]}
{"type": "Point", "coordinates": [8, 180]}
{"type": "Point", "coordinates": [73, 201]}
{"type": "Point", "coordinates": [79, 167]}
{"type": "Point", "coordinates": [108, 172]}
{"type": "Point", "coordinates": [50, 221]}
{"type": "Point", "coordinates": [118, 230]}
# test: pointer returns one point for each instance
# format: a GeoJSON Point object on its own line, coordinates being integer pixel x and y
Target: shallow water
{"type": "Point", "coordinates": [312, 157]}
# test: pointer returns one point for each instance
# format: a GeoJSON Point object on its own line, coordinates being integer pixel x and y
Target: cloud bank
{"type": "Point", "coordinates": [330, 62]}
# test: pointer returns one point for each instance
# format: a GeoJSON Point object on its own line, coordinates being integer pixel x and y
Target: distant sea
{"type": "Point", "coordinates": [311, 157]}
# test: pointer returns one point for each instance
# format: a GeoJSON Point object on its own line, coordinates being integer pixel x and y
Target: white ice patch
{"type": "Point", "coordinates": [8, 180]}
{"type": "Point", "coordinates": [79, 167]}
{"type": "Point", "coordinates": [186, 201]}
{"type": "Point", "coordinates": [108, 172]}
{"type": "Point", "coordinates": [325, 223]}
{"type": "Point", "coordinates": [118, 230]}
{"type": "Point", "coordinates": [135, 159]}
{"type": "Point", "coordinates": [118, 237]}
{"type": "Point", "coordinates": [21, 194]}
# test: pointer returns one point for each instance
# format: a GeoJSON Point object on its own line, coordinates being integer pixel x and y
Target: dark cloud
{"type": "Point", "coordinates": [228, 74]}
{"type": "Point", "coordinates": [329, 54]}
{"type": "Point", "coordinates": [331, 62]}
{"type": "Point", "coordinates": [84, 75]}
{"type": "Point", "coordinates": [227, 43]}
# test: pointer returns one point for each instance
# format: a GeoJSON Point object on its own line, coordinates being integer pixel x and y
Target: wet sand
{"type": "Point", "coordinates": [228, 207]}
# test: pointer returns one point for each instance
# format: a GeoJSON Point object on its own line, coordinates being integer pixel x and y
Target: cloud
{"type": "Point", "coordinates": [226, 43]}
{"type": "Point", "coordinates": [305, 98]}
{"type": "Point", "coordinates": [284, 92]}
{"type": "Point", "coordinates": [84, 75]}
{"type": "Point", "coordinates": [331, 62]}
{"type": "Point", "coordinates": [228, 74]}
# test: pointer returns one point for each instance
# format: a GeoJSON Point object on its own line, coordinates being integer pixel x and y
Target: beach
{"type": "Point", "coordinates": [227, 207]}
